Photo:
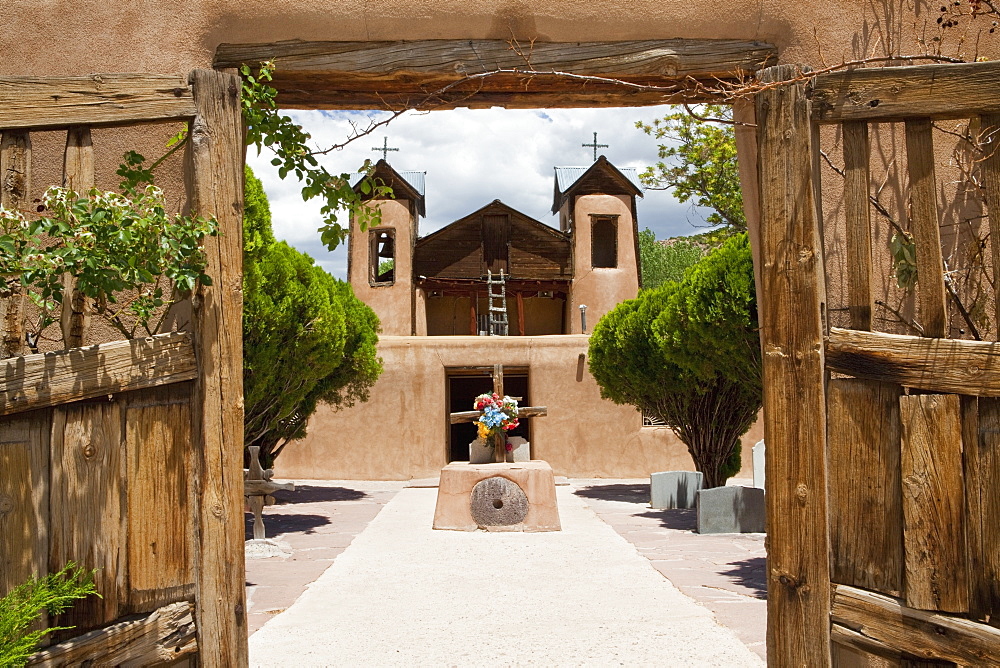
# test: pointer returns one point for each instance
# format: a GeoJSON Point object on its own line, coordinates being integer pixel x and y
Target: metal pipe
{"type": "Point", "coordinates": [583, 318]}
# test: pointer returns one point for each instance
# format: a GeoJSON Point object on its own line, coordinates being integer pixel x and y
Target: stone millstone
{"type": "Point", "coordinates": [498, 502]}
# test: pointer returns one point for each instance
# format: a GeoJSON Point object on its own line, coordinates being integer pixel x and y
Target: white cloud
{"type": "Point", "coordinates": [471, 158]}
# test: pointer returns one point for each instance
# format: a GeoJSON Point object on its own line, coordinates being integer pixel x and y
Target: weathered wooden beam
{"type": "Point", "coordinates": [857, 209]}
{"type": "Point", "coordinates": [215, 188]}
{"type": "Point", "coordinates": [855, 643]}
{"type": "Point", "coordinates": [263, 487]}
{"type": "Point", "coordinates": [927, 635]}
{"type": "Point", "coordinates": [938, 91]}
{"type": "Point", "coordinates": [163, 636]}
{"type": "Point", "coordinates": [933, 503]}
{"type": "Point", "coordinates": [15, 193]}
{"type": "Point", "coordinates": [981, 464]}
{"type": "Point", "coordinates": [791, 250]}
{"type": "Point", "coordinates": [522, 412]}
{"type": "Point", "coordinates": [866, 521]}
{"type": "Point", "coordinates": [423, 74]}
{"type": "Point", "coordinates": [47, 379]}
{"type": "Point", "coordinates": [934, 365]}
{"type": "Point", "coordinates": [926, 228]}
{"type": "Point", "coordinates": [98, 99]}
{"type": "Point", "coordinates": [990, 166]}
{"type": "Point", "coordinates": [78, 176]}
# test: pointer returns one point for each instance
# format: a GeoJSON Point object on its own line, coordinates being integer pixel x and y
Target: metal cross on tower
{"type": "Point", "coordinates": [384, 148]}
{"type": "Point", "coordinates": [595, 146]}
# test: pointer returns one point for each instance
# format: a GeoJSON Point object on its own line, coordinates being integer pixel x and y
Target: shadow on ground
{"type": "Point", "coordinates": [318, 494]}
{"type": "Point", "coordinates": [682, 519]}
{"type": "Point", "coordinates": [750, 573]}
{"type": "Point", "coordinates": [628, 492]}
{"type": "Point", "coordinates": [275, 524]}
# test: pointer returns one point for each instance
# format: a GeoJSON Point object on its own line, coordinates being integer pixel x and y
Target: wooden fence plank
{"type": "Point", "coordinates": [981, 450]}
{"type": "Point", "coordinates": [216, 188]}
{"type": "Point", "coordinates": [938, 91]}
{"type": "Point", "coordinates": [925, 228]}
{"type": "Point", "coordinates": [857, 209]}
{"type": "Point", "coordinates": [86, 506]}
{"type": "Point", "coordinates": [160, 528]}
{"type": "Point", "coordinates": [933, 503]}
{"type": "Point", "coordinates": [98, 99]}
{"type": "Point", "coordinates": [919, 633]}
{"type": "Point", "coordinates": [369, 75]}
{"type": "Point", "coordinates": [933, 365]}
{"type": "Point", "coordinates": [48, 379]}
{"type": "Point", "coordinates": [854, 650]}
{"type": "Point", "coordinates": [866, 519]}
{"type": "Point", "coordinates": [159, 638]}
{"type": "Point", "coordinates": [24, 498]}
{"type": "Point", "coordinates": [15, 193]}
{"type": "Point", "coordinates": [990, 166]}
{"type": "Point", "coordinates": [794, 400]}
{"type": "Point", "coordinates": [78, 176]}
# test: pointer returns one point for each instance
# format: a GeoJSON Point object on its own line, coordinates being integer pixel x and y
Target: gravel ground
{"type": "Point", "coordinates": [404, 594]}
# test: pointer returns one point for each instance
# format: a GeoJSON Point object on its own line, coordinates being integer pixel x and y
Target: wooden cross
{"type": "Point", "coordinates": [522, 411]}
{"type": "Point", "coordinates": [595, 146]}
{"type": "Point", "coordinates": [384, 149]}
{"type": "Point", "coordinates": [257, 486]}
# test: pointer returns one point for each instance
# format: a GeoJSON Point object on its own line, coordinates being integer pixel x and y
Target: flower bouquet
{"type": "Point", "coordinates": [499, 416]}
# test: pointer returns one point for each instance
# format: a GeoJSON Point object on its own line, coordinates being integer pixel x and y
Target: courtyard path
{"type": "Point", "coordinates": [404, 594]}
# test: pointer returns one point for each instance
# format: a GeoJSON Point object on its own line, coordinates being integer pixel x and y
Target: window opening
{"type": "Point", "coordinates": [383, 257]}
{"type": "Point", "coordinates": [604, 241]}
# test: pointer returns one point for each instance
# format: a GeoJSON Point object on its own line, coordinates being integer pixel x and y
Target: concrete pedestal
{"type": "Point", "coordinates": [455, 497]}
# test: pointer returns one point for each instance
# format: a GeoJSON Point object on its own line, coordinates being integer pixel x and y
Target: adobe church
{"type": "Point", "coordinates": [439, 342]}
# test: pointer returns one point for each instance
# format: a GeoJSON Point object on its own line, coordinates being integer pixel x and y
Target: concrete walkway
{"type": "Point", "coordinates": [404, 594]}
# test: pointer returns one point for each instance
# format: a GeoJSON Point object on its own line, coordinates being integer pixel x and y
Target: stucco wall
{"type": "Point", "coordinates": [603, 287]}
{"type": "Point", "coordinates": [391, 303]}
{"type": "Point", "coordinates": [401, 432]}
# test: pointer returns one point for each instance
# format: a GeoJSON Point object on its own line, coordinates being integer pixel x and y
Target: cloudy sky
{"type": "Point", "coordinates": [472, 157]}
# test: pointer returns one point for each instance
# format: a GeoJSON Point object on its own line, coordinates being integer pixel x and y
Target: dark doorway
{"type": "Point", "coordinates": [464, 385]}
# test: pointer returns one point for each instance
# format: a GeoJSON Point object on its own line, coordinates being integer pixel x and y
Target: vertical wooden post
{"type": "Point", "coordinates": [925, 227]}
{"type": "Point", "coordinates": [798, 601]}
{"type": "Point", "coordinates": [857, 173]}
{"type": "Point", "coordinates": [215, 187]}
{"type": "Point", "coordinates": [499, 447]}
{"type": "Point", "coordinates": [990, 128]}
{"type": "Point", "coordinates": [15, 187]}
{"type": "Point", "coordinates": [78, 176]}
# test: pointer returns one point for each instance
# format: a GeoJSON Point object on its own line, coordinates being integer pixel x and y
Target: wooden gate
{"type": "Point", "coordinates": [126, 457]}
{"type": "Point", "coordinates": [883, 451]}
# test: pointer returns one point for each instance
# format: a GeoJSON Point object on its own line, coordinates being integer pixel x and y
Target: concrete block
{"type": "Point", "coordinates": [674, 489]}
{"type": "Point", "coordinates": [520, 451]}
{"type": "Point", "coordinates": [731, 510]}
{"type": "Point", "coordinates": [480, 452]}
{"type": "Point", "coordinates": [758, 465]}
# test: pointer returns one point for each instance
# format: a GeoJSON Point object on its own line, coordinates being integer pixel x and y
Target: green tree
{"type": "Point", "coordinates": [698, 162]}
{"type": "Point", "coordinates": [689, 354]}
{"type": "Point", "coordinates": [307, 338]}
{"type": "Point", "coordinates": [665, 261]}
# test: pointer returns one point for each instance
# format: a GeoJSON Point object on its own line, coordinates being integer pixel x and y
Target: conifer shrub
{"type": "Point", "coordinates": [688, 353]}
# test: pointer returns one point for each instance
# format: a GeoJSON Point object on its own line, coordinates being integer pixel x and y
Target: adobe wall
{"type": "Point", "coordinates": [393, 304]}
{"type": "Point", "coordinates": [596, 439]}
{"type": "Point", "coordinates": [62, 37]}
{"type": "Point", "coordinates": [601, 288]}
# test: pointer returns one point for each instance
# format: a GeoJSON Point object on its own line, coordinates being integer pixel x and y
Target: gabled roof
{"type": "Point", "coordinates": [405, 185]}
{"type": "Point", "coordinates": [571, 180]}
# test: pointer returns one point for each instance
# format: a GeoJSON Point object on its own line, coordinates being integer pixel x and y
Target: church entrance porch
{"type": "Point", "coordinates": [463, 385]}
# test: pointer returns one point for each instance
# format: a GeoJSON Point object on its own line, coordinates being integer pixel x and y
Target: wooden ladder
{"type": "Point", "coordinates": [498, 314]}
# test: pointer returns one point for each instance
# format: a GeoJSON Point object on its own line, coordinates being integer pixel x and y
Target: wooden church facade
{"type": "Point", "coordinates": [431, 296]}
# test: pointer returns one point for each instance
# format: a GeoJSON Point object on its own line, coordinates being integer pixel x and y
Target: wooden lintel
{"type": "Point", "coordinates": [522, 412]}
{"type": "Point", "coordinates": [935, 365]}
{"type": "Point", "coordinates": [879, 94]}
{"type": "Point", "coordinates": [423, 74]}
{"type": "Point", "coordinates": [162, 636]}
{"type": "Point", "coordinates": [47, 379]}
{"type": "Point", "coordinates": [929, 635]}
{"type": "Point", "coordinates": [263, 487]}
{"type": "Point", "coordinates": [98, 99]}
